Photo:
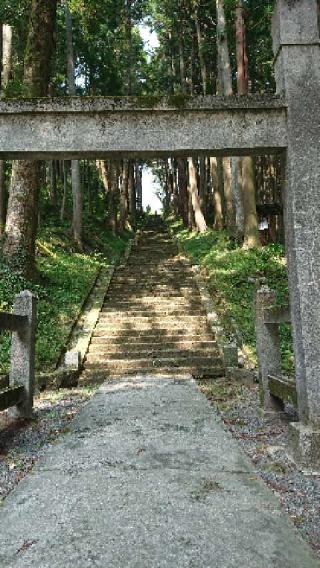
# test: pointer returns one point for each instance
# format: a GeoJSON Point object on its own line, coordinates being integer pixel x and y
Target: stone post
{"type": "Point", "coordinates": [22, 370]}
{"type": "Point", "coordinates": [268, 349]}
{"type": "Point", "coordinates": [297, 66]}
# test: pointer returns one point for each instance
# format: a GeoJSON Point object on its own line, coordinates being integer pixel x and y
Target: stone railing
{"type": "Point", "coordinates": [275, 389]}
{"type": "Point", "coordinates": [22, 324]}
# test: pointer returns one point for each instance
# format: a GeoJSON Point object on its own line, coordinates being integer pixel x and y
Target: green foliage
{"type": "Point", "coordinates": [258, 16]}
{"type": "Point", "coordinates": [102, 50]}
{"type": "Point", "coordinates": [105, 54]}
{"type": "Point", "coordinates": [232, 272]}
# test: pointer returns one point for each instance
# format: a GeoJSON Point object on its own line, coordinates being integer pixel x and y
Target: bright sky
{"type": "Point", "coordinates": [149, 37]}
{"type": "Point", "coordinates": [149, 187]}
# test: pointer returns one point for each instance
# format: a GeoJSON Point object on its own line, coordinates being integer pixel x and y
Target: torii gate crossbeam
{"type": "Point", "coordinates": [148, 127]}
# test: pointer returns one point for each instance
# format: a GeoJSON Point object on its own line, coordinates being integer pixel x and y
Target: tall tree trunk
{"type": "Point", "coordinates": [6, 56]}
{"type": "Point", "coordinates": [203, 186]}
{"type": "Point", "coordinates": [87, 184]}
{"type": "Point", "coordinates": [224, 66]}
{"type": "Point", "coordinates": [138, 178]}
{"type": "Point", "coordinates": [102, 168]}
{"type": "Point", "coordinates": [230, 214]}
{"type": "Point", "coordinates": [169, 186]}
{"type": "Point", "coordinates": [65, 190]}
{"type": "Point", "coordinates": [6, 66]}
{"type": "Point", "coordinates": [182, 63]}
{"type": "Point", "coordinates": [183, 198]}
{"type": "Point", "coordinates": [53, 183]}
{"type": "Point", "coordinates": [251, 227]}
{"type": "Point", "coordinates": [124, 197]}
{"type": "Point", "coordinates": [77, 195]}
{"type": "Point", "coordinates": [113, 194]}
{"type": "Point", "coordinates": [242, 57]}
{"type": "Point", "coordinates": [225, 88]}
{"type": "Point", "coordinates": [194, 195]}
{"type": "Point", "coordinates": [21, 224]}
{"type": "Point", "coordinates": [237, 196]}
{"type": "Point", "coordinates": [132, 195]}
{"type": "Point", "coordinates": [217, 200]}
{"type": "Point", "coordinates": [128, 28]}
{"type": "Point", "coordinates": [77, 198]}
{"type": "Point", "coordinates": [203, 68]}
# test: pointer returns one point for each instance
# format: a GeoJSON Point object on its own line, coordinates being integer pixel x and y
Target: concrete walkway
{"type": "Point", "coordinates": [148, 477]}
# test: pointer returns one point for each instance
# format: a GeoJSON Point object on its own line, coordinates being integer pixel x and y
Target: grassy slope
{"type": "Point", "coordinates": [64, 280]}
{"type": "Point", "coordinates": [231, 270]}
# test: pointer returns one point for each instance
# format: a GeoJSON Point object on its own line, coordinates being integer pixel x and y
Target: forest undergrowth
{"type": "Point", "coordinates": [232, 276]}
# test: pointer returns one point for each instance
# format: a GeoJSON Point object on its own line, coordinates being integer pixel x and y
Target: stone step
{"type": "Point", "coordinates": [152, 250]}
{"type": "Point", "coordinates": [124, 295]}
{"type": "Point", "coordinates": [166, 266]}
{"type": "Point", "coordinates": [161, 329]}
{"type": "Point", "coordinates": [174, 287]}
{"type": "Point", "coordinates": [154, 277]}
{"type": "Point", "coordinates": [140, 278]}
{"type": "Point", "coordinates": [132, 337]}
{"type": "Point", "coordinates": [169, 264]}
{"type": "Point", "coordinates": [152, 319]}
{"type": "Point", "coordinates": [157, 269]}
{"type": "Point", "coordinates": [100, 352]}
{"type": "Point", "coordinates": [158, 312]}
{"type": "Point", "coordinates": [195, 371]}
{"type": "Point", "coordinates": [156, 237]}
{"type": "Point", "coordinates": [156, 240]}
{"type": "Point", "coordinates": [147, 365]}
{"type": "Point", "coordinates": [153, 301]}
{"type": "Point", "coordinates": [141, 282]}
{"type": "Point", "coordinates": [147, 281]}
{"type": "Point", "coordinates": [153, 310]}
{"type": "Point", "coordinates": [106, 317]}
{"type": "Point", "coordinates": [110, 344]}
{"type": "Point", "coordinates": [122, 292]}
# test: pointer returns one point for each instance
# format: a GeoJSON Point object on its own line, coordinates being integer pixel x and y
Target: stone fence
{"type": "Point", "coordinates": [275, 389]}
{"type": "Point", "coordinates": [22, 324]}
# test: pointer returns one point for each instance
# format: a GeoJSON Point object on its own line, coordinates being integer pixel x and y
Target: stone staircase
{"type": "Point", "coordinates": [152, 321]}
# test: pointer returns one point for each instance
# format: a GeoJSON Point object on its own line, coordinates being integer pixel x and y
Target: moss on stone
{"type": "Point", "coordinates": [283, 389]}
{"type": "Point", "coordinates": [178, 101]}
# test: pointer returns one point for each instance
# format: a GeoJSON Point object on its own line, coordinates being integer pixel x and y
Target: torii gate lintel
{"type": "Point", "coordinates": [73, 128]}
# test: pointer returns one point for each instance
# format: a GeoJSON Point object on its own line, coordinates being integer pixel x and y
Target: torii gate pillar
{"type": "Point", "coordinates": [297, 65]}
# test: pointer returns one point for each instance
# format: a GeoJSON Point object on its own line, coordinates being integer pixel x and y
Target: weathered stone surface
{"type": "Point", "coordinates": [22, 370]}
{"type": "Point", "coordinates": [283, 388]}
{"type": "Point", "coordinates": [296, 44]}
{"type": "Point", "coordinates": [100, 127]}
{"type": "Point", "coordinates": [72, 360]}
{"type": "Point", "coordinates": [138, 338]}
{"type": "Point", "coordinates": [228, 348]}
{"type": "Point", "coordinates": [147, 477]}
{"type": "Point", "coordinates": [304, 444]}
{"type": "Point", "coordinates": [268, 347]}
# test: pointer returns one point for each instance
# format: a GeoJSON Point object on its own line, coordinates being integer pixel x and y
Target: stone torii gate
{"type": "Point", "coordinates": [288, 123]}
